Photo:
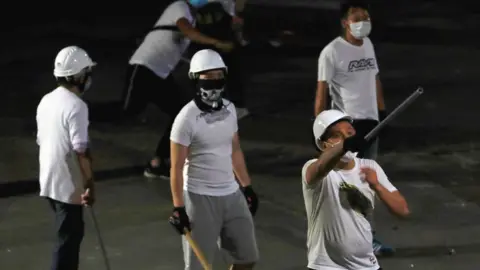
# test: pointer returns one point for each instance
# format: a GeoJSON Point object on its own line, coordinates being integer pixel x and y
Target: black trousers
{"type": "Point", "coordinates": [69, 229]}
{"type": "Point", "coordinates": [142, 86]}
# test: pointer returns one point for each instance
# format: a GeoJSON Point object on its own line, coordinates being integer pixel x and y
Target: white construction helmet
{"type": "Point", "coordinates": [324, 120]}
{"type": "Point", "coordinates": [205, 60]}
{"type": "Point", "coordinates": [70, 61]}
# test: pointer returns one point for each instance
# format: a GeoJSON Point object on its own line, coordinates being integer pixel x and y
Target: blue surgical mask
{"type": "Point", "coordinates": [198, 3]}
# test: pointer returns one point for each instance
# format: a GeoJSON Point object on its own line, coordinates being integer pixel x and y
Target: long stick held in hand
{"type": "Point", "coordinates": [99, 238]}
{"type": "Point", "coordinates": [374, 132]}
{"type": "Point", "coordinates": [197, 251]}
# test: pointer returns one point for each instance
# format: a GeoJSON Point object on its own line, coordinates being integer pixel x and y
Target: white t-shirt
{"type": "Point", "coordinates": [161, 50]}
{"type": "Point", "coordinates": [62, 126]}
{"type": "Point", "coordinates": [338, 236]}
{"type": "Point", "coordinates": [208, 169]}
{"type": "Point", "coordinates": [351, 73]}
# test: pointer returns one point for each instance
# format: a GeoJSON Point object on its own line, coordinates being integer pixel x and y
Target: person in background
{"type": "Point", "coordinates": [149, 76]}
{"type": "Point", "coordinates": [220, 19]}
{"type": "Point", "coordinates": [348, 71]}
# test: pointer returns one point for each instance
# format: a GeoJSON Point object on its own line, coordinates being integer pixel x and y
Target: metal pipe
{"type": "Point", "coordinates": [374, 132]}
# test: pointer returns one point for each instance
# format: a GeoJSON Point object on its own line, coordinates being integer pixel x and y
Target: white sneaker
{"type": "Point", "coordinates": [242, 112]}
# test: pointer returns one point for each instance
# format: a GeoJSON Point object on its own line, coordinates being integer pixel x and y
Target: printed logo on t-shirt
{"type": "Point", "coordinates": [373, 260]}
{"type": "Point", "coordinates": [352, 197]}
{"type": "Point", "coordinates": [361, 64]}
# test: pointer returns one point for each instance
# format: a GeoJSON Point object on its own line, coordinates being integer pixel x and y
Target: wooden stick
{"type": "Point", "coordinates": [197, 251]}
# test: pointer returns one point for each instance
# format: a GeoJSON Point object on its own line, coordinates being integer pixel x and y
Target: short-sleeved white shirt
{"type": "Point", "coordinates": [62, 127]}
{"type": "Point", "coordinates": [208, 169]}
{"type": "Point", "coordinates": [339, 237]}
{"type": "Point", "coordinates": [351, 73]}
{"type": "Point", "coordinates": [161, 50]}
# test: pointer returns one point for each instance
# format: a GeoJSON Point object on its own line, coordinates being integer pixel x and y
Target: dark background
{"type": "Point", "coordinates": [418, 43]}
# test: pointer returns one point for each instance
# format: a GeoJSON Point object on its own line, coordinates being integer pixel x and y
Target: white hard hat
{"type": "Point", "coordinates": [70, 61]}
{"type": "Point", "coordinates": [324, 120]}
{"type": "Point", "coordinates": [205, 60]}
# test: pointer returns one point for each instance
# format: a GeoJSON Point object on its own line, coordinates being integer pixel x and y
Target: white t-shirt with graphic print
{"type": "Point", "coordinates": [351, 73]}
{"type": "Point", "coordinates": [162, 50]}
{"type": "Point", "coordinates": [208, 169]}
{"type": "Point", "coordinates": [339, 237]}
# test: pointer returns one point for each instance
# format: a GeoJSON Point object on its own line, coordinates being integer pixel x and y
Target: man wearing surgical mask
{"type": "Point", "coordinates": [339, 191]}
{"type": "Point", "coordinates": [348, 72]}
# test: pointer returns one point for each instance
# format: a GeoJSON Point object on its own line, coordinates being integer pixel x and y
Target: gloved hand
{"type": "Point", "coordinates": [179, 219]}
{"type": "Point", "coordinates": [355, 143]}
{"type": "Point", "coordinates": [252, 199]}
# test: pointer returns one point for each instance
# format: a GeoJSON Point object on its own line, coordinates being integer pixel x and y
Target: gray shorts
{"type": "Point", "coordinates": [225, 217]}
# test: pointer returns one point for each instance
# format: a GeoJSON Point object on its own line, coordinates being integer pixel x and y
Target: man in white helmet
{"type": "Point", "coordinates": [66, 178]}
{"type": "Point", "coordinates": [339, 190]}
{"type": "Point", "coordinates": [149, 76]}
{"type": "Point", "coordinates": [206, 157]}
{"type": "Point", "coordinates": [348, 71]}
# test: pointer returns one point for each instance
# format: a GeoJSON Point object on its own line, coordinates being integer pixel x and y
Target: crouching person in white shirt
{"type": "Point", "coordinates": [65, 163]}
{"type": "Point", "coordinates": [205, 151]}
{"type": "Point", "coordinates": [339, 190]}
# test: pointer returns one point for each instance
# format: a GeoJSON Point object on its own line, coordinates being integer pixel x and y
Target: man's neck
{"type": "Point", "coordinates": [350, 39]}
{"type": "Point", "coordinates": [75, 90]}
{"type": "Point", "coordinates": [345, 165]}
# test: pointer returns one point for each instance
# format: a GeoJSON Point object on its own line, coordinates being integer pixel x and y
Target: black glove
{"type": "Point", "coordinates": [179, 219]}
{"type": "Point", "coordinates": [252, 199]}
{"type": "Point", "coordinates": [355, 143]}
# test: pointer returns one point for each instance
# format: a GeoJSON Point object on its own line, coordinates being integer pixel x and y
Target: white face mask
{"type": "Point", "coordinates": [361, 29]}
{"type": "Point", "coordinates": [348, 156]}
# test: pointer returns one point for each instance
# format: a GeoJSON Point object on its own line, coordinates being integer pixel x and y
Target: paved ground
{"type": "Point", "coordinates": [431, 154]}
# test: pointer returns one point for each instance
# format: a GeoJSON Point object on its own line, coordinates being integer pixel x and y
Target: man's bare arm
{"type": "Point", "coordinates": [321, 97]}
{"type": "Point", "coordinates": [324, 164]}
{"type": "Point", "coordinates": [380, 97]}
{"type": "Point", "coordinates": [178, 155]}
{"type": "Point", "coordinates": [193, 34]}
{"type": "Point", "coordinates": [395, 202]}
{"type": "Point", "coordinates": [85, 163]}
{"type": "Point", "coordinates": [238, 163]}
